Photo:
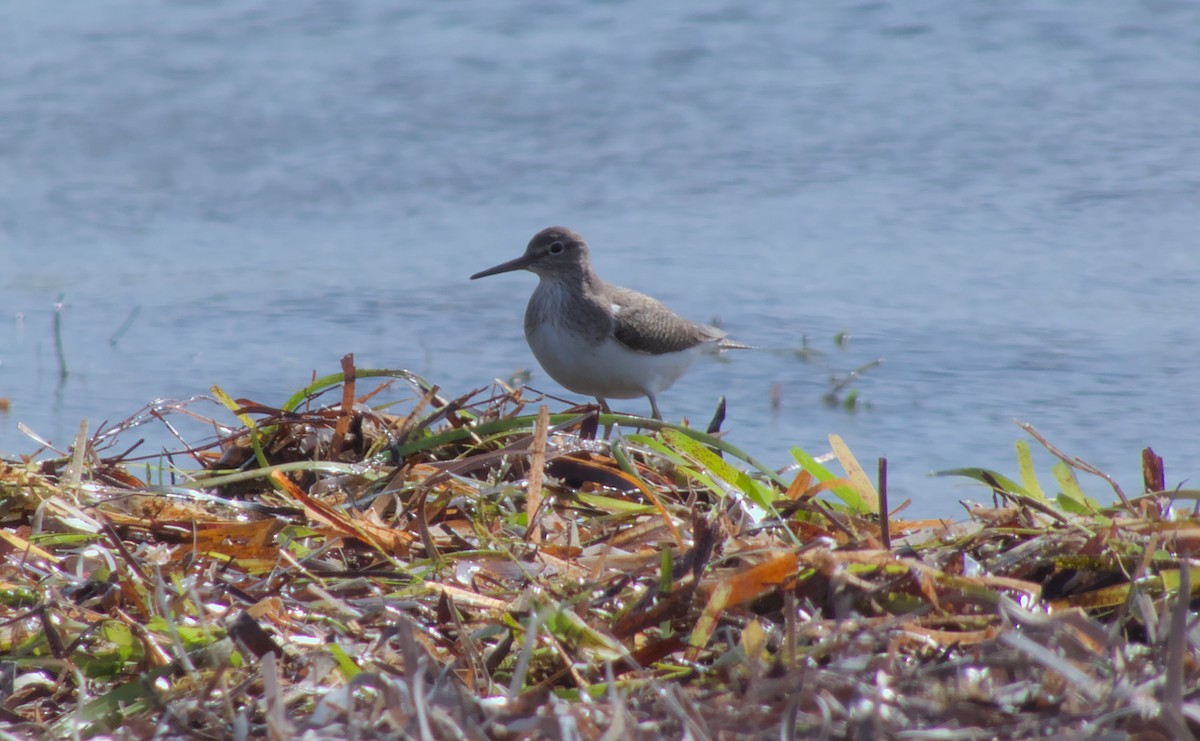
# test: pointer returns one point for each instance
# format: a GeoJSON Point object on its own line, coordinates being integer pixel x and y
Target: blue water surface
{"type": "Point", "coordinates": [1000, 200]}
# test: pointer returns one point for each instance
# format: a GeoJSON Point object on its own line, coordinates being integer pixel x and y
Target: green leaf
{"type": "Point", "coordinates": [756, 491]}
{"type": "Point", "coordinates": [571, 629]}
{"type": "Point", "coordinates": [47, 540]}
{"type": "Point", "coordinates": [247, 420]}
{"type": "Point", "coordinates": [613, 505]}
{"type": "Point", "coordinates": [193, 636]}
{"type": "Point", "coordinates": [336, 378]}
{"type": "Point", "coordinates": [1028, 477]}
{"type": "Point", "coordinates": [844, 492]}
{"type": "Point", "coordinates": [119, 634]}
{"type": "Point", "coordinates": [110, 709]}
{"type": "Point", "coordinates": [987, 477]}
{"type": "Point", "coordinates": [709, 460]}
{"type": "Point", "coordinates": [719, 467]}
{"type": "Point", "coordinates": [645, 441]}
{"type": "Point", "coordinates": [666, 572]}
{"type": "Point", "coordinates": [703, 438]}
{"type": "Point", "coordinates": [622, 459]}
{"type": "Point", "coordinates": [346, 666]}
{"type": "Point", "coordinates": [1072, 498]}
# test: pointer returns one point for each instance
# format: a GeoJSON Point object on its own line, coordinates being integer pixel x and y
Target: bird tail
{"type": "Point", "coordinates": [727, 344]}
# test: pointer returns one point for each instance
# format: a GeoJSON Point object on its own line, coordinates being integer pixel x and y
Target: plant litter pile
{"type": "Point", "coordinates": [479, 568]}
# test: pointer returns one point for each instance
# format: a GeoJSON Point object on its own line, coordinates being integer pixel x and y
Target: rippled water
{"type": "Point", "coordinates": [998, 199]}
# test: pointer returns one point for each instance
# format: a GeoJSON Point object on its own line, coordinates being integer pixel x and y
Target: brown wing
{"type": "Point", "coordinates": [646, 325]}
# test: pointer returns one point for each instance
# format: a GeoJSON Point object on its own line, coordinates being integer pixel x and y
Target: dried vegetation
{"type": "Point", "coordinates": [478, 568]}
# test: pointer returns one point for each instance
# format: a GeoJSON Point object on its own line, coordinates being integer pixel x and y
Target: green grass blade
{"type": "Point", "coordinates": [1073, 499]}
{"type": "Point", "coordinates": [846, 493]}
{"type": "Point", "coordinates": [987, 477]}
{"type": "Point", "coordinates": [1028, 477]}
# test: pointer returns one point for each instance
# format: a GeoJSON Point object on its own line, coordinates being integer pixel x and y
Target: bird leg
{"type": "Point", "coordinates": [605, 410]}
{"type": "Point", "coordinates": [654, 407]}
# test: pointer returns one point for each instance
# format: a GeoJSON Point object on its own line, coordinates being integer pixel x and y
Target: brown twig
{"type": "Point", "coordinates": [1079, 463]}
{"type": "Point", "coordinates": [537, 469]}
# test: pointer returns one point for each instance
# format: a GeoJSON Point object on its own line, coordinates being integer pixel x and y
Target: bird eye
{"type": "Point", "coordinates": [556, 248]}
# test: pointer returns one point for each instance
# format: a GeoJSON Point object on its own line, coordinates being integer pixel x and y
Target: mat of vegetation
{"type": "Point", "coordinates": [349, 564]}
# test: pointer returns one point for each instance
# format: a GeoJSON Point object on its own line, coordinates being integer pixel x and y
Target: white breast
{"type": "Point", "coordinates": [606, 369]}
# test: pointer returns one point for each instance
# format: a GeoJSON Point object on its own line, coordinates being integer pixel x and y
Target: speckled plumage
{"type": "Point", "coordinates": [596, 338]}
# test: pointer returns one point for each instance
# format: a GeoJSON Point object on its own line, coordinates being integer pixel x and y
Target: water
{"type": "Point", "coordinates": [998, 199]}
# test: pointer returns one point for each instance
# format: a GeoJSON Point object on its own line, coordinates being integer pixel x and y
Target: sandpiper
{"type": "Point", "coordinates": [598, 339]}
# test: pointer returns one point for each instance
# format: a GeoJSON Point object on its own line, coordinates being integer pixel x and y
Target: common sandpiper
{"type": "Point", "coordinates": [598, 339]}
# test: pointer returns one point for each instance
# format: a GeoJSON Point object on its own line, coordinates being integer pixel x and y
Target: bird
{"type": "Point", "coordinates": [600, 339]}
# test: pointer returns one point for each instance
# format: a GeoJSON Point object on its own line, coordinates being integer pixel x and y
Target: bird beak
{"type": "Point", "coordinates": [519, 263]}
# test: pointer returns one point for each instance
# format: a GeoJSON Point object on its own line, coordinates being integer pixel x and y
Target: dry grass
{"type": "Point", "coordinates": [466, 569]}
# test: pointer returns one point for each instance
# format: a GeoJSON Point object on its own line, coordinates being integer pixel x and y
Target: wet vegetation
{"type": "Point", "coordinates": [368, 559]}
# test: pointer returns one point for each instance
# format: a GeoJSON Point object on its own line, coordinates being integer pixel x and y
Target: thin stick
{"type": "Point", "coordinates": [1079, 463]}
{"type": "Point", "coordinates": [58, 343]}
{"type": "Point", "coordinates": [537, 464]}
{"type": "Point", "coordinates": [885, 530]}
{"type": "Point", "coordinates": [125, 325]}
{"type": "Point", "coordinates": [342, 428]}
{"type": "Point", "coordinates": [1177, 649]}
{"type": "Point", "coordinates": [718, 418]}
{"type": "Point", "coordinates": [1153, 477]}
